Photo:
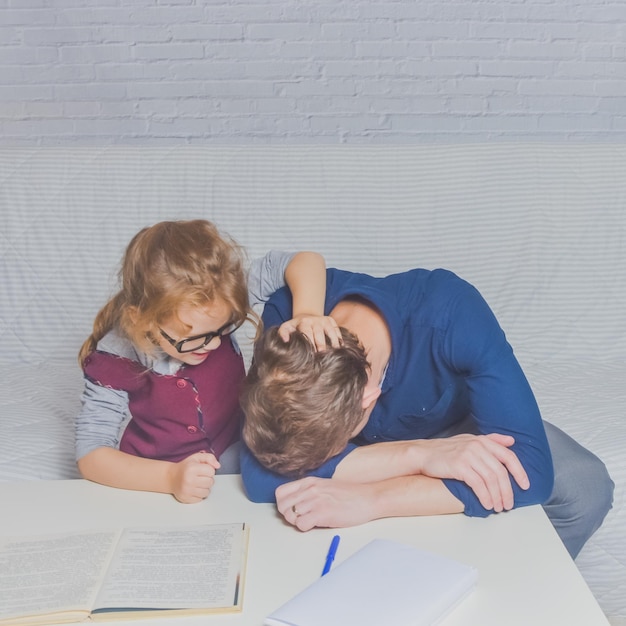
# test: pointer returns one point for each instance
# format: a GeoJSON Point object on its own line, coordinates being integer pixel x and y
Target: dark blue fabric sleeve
{"type": "Point", "coordinates": [501, 400]}
{"type": "Point", "coordinates": [278, 309]}
{"type": "Point", "coordinates": [260, 483]}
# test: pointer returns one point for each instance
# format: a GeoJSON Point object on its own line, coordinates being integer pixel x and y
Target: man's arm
{"type": "Point", "coordinates": [349, 500]}
{"type": "Point", "coordinates": [322, 503]}
{"type": "Point", "coordinates": [484, 463]}
{"type": "Point", "coordinates": [500, 398]}
{"type": "Point", "coordinates": [404, 478]}
{"type": "Point", "coordinates": [260, 483]}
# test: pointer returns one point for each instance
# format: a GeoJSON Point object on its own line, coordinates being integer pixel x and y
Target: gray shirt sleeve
{"type": "Point", "coordinates": [104, 412]}
{"type": "Point", "coordinates": [267, 275]}
{"type": "Point", "coordinates": [100, 420]}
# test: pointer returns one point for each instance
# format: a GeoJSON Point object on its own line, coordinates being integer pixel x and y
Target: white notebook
{"type": "Point", "coordinates": [385, 582]}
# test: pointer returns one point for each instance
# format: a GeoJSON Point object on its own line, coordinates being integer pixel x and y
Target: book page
{"type": "Point", "coordinates": [52, 573]}
{"type": "Point", "coordinates": [177, 568]}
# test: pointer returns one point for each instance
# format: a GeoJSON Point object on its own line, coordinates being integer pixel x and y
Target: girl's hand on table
{"type": "Point", "coordinates": [192, 478]}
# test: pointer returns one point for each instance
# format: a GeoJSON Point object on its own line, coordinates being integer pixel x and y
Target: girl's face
{"type": "Point", "coordinates": [198, 321]}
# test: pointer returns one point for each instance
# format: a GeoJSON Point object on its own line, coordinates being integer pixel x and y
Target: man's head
{"type": "Point", "coordinates": [302, 406]}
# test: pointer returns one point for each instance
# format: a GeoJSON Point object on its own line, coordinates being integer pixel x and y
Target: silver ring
{"type": "Point", "coordinates": [293, 508]}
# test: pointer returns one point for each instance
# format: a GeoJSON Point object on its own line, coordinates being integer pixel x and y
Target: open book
{"type": "Point", "coordinates": [385, 582]}
{"type": "Point", "coordinates": [122, 574]}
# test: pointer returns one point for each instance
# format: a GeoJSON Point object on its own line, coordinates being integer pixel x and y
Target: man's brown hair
{"type": "Point", "coordinates": [301, 405]}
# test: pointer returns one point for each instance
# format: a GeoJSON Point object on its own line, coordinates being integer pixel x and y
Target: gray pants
{"type": "Point", "coordinates": [582, 493]}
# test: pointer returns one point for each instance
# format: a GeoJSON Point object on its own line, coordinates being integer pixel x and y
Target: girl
{"type": "Point", "coordinates": [162, 360]}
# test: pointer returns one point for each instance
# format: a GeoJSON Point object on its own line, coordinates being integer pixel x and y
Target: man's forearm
{"type": "Point", "coordinates": [380, 461]}
{"type": "Point", "coordinates": [412, 495]}
{"type": "Point", "coordinates": [485, 464]}
{"type": "Point", "coordinates": [331, 503]}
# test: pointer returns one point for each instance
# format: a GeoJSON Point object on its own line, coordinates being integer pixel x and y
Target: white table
{"type": "Point", "coordinates": [525, 574]}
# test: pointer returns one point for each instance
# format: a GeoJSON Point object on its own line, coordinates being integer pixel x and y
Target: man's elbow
{"type": "Point", "coordinates": [543, 490]}
{"type": "Point", "coordinates": [257, 492]}
{"type": "Point", "coordinates": [541, 485]}
{"type": "Point", "coordinates": [257, 486]}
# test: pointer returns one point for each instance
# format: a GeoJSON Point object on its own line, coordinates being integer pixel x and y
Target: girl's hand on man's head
{"type": "Point", "coordinates": [319, 330]}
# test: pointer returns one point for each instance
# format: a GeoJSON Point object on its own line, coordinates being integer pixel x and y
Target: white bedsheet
{"type": "Point", "coordinates": [540, 229]}
{"type": "Point", "coordinates": [597, 392]}
{"type": "Point", "coordinates": [38, 404]}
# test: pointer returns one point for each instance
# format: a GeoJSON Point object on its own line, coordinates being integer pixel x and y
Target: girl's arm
{"type": "Point", "coordinates": [189, 480]}
{"type": "Point", "coordinates": [304, 273]}
{"type": "Point", "coordinates": [306, 278]}
{"type": "Point", "coordinates": [98, 427]}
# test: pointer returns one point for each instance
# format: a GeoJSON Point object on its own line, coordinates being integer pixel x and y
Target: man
{"type": "Point", "coordinates": [424, 410]}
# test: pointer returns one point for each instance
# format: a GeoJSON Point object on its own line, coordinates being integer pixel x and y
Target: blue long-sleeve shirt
{"type": "Point", "coordinates": [449, 359]}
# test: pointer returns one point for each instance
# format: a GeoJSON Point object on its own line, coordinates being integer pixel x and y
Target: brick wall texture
{"type": "Point", "coordinates": [311, 71]}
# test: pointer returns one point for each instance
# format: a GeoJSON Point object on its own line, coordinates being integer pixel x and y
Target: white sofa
{"type": "Point", "coordinates": [540, 229]}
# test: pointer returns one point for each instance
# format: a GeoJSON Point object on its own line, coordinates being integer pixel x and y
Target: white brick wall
{"type": "Point", "coordinates": [311, 71]}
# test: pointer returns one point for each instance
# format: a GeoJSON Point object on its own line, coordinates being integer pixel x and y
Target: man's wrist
{"type": "Point", "coordinates": [414, 452]}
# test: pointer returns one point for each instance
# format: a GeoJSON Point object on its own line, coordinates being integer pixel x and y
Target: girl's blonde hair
{"type": "Point", "coordinates": [166, 266]}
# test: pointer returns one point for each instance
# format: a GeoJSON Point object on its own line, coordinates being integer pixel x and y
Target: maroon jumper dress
{"type": "Point", "coordinates": [174, 416]}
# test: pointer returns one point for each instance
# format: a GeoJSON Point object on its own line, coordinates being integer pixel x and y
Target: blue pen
{"type": "Point", "coordinates": [330, 557]}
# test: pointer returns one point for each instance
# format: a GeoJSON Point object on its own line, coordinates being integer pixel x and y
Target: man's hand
{"type": "Point", "coordinates": [193, 477]}
{"type": "Point", "coordinates": [331, 503]}
{"type": "Point", "coordinates": [315, 327]}
{"type": "Point", "coordinates": [324, 503]}
{"type": "Point", "coordinates": [484, 462]}
{"type": "Point", "coordinates": [410, 486]}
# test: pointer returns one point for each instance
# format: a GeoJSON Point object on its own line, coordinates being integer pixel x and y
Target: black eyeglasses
{"type": "Point", "coordinates": [191, 344]}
